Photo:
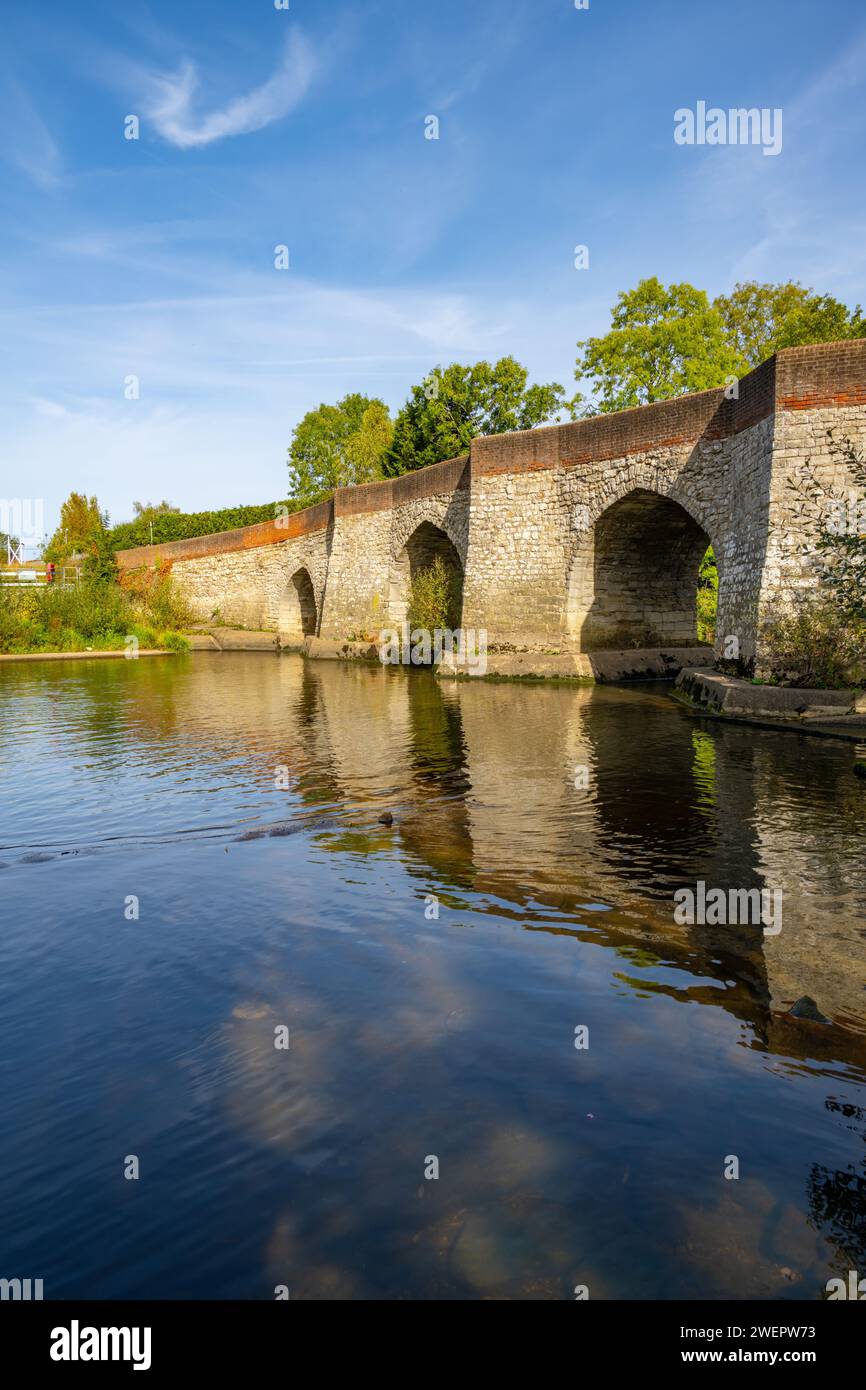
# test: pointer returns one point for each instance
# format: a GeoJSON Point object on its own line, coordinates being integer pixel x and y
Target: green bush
{"type": "Point", "coordinates": [179, 526]}
{"type": "Point", "coordinates": [814, 646]}
{"type": "Point", "coordinates": [434, 597]}
{"type": "Point", "coordinates": [708, 598]}
{"type": "Point", "coordinates": [94, 615]}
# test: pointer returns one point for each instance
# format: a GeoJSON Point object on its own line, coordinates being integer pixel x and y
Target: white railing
{"type": "Point", "coordinates": [67, 576]}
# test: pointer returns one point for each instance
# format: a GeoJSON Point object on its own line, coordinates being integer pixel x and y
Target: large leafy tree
{"type": "Point", "coordinates": [445, 412]}
{"type": "Point", "coordinates": [338, 445]}
{"type": "Point", "coordinates": [760, 319]}
{"type": "Point", "coordinates": [80, 518]}
{"type": "Point", "coordinates": [664, 340]}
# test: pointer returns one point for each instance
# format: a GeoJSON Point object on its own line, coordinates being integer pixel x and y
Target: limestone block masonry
{"type": "Point", "coordinates": [572, 538]}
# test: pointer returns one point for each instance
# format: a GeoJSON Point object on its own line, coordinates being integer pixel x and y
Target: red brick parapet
{"type": "Point", "coordinates": [285, 528]}
{"type": "Point", "coordinates": [801, 378]}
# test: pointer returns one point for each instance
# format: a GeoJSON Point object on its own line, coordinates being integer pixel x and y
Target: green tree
{"type": "Point", "coordinates": [338, 445]}
{"type": "Point", "coordinates": [760, 319]}
{"type": "Point", "coordinates": [445, 412]}
{"type": "Point", "coordinates": [664, 340]}
{"type": "Point", "coordinates": [80, 516]}
{"type": "Point", "coordinates": [100, 560]}
{"type": "Point", "coordinates": [146, 511]}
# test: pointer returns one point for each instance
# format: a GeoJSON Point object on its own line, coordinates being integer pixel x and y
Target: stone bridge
{"type": "Point", "coordinates": [578, 539]}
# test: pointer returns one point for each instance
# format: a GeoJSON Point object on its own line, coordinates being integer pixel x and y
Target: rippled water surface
{"type": "Point", "coordinates": [237, 798]}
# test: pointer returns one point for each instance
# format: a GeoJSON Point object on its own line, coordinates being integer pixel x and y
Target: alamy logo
{"type": "Point", "coordinates": [855, 1289]}
{"type": "Point", "coordinates": [419, 647]}
{"type": "Point", "coordinates": [713, 907]}
{"type": "Point", "coordinates": [23, 518]}
{"type": "Point", "coordinates": [76, 1343]}
{"type": "Point", "coordinates": [21, 1290]}
{"type": "Point", "coordinates": [738, 126]}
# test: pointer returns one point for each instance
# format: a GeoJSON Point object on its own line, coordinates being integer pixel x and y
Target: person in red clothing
{"type": "Point", "coordinates": [49, 572]}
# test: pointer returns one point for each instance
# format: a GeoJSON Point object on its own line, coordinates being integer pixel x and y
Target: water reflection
{"type": "Point", "coordinates": [415, 1034]}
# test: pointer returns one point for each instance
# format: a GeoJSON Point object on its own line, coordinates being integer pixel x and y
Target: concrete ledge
{"type": "Point", "coordinates": [233, 639]}
{"type": "Point", "coordinates": [644, 663]}
{"type": "Point", "coordinates": [326, 649]}
{"type": "Point", "coordinates": [641, 663]}
{"type": "Point", "coordinates": [733, 696]}
{"type": "Point", "coordinates": [512, 665]}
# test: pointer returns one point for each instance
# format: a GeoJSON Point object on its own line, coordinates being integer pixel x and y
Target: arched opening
{"type": "Point", "coordinates": [298, 609]}
{"type": "Point", "coordinates": [427, 580]}
{"type": "Point", "coordinates": [635, 577]}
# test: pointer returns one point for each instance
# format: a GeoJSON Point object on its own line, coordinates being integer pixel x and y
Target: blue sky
{"type": "Point", "coordinates": [305, 127]}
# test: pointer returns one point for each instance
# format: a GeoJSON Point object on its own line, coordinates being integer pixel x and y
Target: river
{"type": "Point", "coordinates": [509, 1072]}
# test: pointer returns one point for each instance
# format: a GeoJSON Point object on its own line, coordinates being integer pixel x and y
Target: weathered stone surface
{"type": "Point", "coordinates": [631, 664]}
{"type": "Point", "coordinates": [573, 540]}
{"type": "Point", "coordinates": [730, 695]}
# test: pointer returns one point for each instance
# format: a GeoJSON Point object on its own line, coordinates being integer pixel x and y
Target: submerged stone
{"type": "Point", "coordinates": [808, 1009]}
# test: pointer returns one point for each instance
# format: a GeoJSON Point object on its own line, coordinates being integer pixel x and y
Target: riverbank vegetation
{"type": "Point", "coordinates": [813, 649]}
{"type": "Point", "coordinates": [95, 615]}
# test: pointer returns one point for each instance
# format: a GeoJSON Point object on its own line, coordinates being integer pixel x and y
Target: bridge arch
{"type": "Point", "coordinates": [298, 611]}
{"type": "Point", "coordinates": [634, 574]}
{"type": "Point", "coordinates": [426, 543]}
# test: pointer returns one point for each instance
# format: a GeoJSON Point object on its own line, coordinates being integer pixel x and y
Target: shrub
{"type": "Point", "coordinates": [158, 597]}
{"type": "Point", "coordinates": [90, 615]}
{"type": "Point", "coordinates": [434, 597]}
{"type": "Point", "coordinates": [814, 646]}
{"type": "Point", "coordinates": [708, 598]}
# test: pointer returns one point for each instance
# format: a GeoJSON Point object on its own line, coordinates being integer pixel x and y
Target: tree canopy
{"type": "Point", "coordinates": [338, 445]}
{"type": "Point", "coordinates": [760, 319]}
{"type": "Point", "coordinates": [666, 340]}
{"type": "Point", "coordinates": [80, 517]}
{"type": "Point", "coordinates": [452, 405]}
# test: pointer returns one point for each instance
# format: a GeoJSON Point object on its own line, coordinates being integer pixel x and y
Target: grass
{"type": "Point", "coordinates": [95, 616]}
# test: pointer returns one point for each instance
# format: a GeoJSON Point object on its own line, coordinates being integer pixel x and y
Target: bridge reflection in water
{"type": "Point", "coordinates": [432, 973]}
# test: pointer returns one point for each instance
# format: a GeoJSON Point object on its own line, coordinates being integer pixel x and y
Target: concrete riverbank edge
{"type": "Point", "coordinates": [650, 663]}
{"type": "Point", "coordinates": [832, 713]}
{"type": "Point", "coordinates": [84, 656]}
{"type": "Point", "coordinates": [647, 663]}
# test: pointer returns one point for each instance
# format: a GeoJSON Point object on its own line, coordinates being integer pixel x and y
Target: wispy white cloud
{"type": "Point", "coordinates": [170, 100]}
{"type": "Point", "coordinates": [31, 145]}
{"type": "Point", "coordinates": [226, 373]}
